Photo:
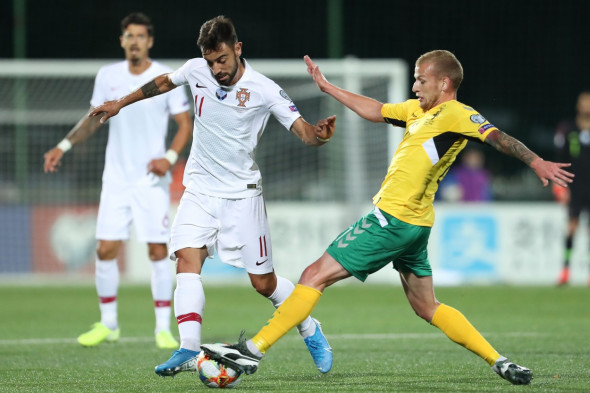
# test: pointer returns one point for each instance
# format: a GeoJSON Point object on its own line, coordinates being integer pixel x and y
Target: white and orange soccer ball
{"type": "Point", "coordinates": [214, 374]}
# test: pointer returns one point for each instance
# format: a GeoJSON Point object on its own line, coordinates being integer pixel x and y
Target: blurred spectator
{"type": "Point", "coordinates": [469, 181]}
{"type": "Point", "coordinates": [572, 141]}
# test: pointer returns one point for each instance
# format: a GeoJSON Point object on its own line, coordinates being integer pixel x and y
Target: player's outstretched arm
{"type": "Point", "coordinates": [80, 132]}
{"type": "Point", "coordinates": [366, 107]}
{"type": "Point", "coordinates": [545, 170]}
{"type": "Point", "coordinates": [159, 85]}
{"type": "Point", "coordinates": [315, 135]}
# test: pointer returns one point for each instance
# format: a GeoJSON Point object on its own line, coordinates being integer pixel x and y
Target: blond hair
{"type": "Point", "coordinates": [445, 64]}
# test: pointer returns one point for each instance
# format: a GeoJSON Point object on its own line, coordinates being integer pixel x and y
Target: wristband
{"type": "Point", "coordinates": [323, 140]}
{"type": "Point", "coordinates": [171, 156]}
{"type": "Point", "coordinates": [64, 145]}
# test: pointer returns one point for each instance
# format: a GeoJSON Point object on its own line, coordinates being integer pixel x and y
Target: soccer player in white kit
{"type": "Point", "coordinates": [136, 179]}
{"type": "Point", "coordinates": [222, 207]}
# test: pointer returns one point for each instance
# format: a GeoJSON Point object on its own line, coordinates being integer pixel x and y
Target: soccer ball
{"type": "Point", "coordinates": [214, 374]}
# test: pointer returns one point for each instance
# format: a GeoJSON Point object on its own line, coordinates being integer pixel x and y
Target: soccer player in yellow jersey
{"type": "Point", "coordinates": [397, 230]}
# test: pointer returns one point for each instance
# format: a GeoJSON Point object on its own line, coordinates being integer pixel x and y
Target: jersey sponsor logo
{"type": "Point", "coordinates": [430, 121]}
{"type": "Point", "coordinates": [284, 95]}
{"type": "Point", "coordinates": [198, 86]}
{"type": "Point", "coordinates": [221, 94]}
{"type": "Point", "coordinates": [477, 118]}
{"type": "Point", "coordinates": [293, 108]}
{"type": "Point", "coordinates": [485, 128]}
{"type": "Point", "coordinates": [242, 96]}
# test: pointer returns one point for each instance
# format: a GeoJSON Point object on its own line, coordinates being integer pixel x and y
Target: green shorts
{"type": "Point", "coordinates": [378, 239]}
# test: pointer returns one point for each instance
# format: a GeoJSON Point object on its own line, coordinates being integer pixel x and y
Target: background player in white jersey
{"type": "Point", "coordinates": [222, 206]}
{"type": "Point", "coordinates": [135, 182]}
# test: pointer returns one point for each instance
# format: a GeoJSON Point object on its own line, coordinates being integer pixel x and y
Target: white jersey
{"type": "Point", "coordinates": [137, 134]}
{"type": "Point", "coordinates": [229, 121]}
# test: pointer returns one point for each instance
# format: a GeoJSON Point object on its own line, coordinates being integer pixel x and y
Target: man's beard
{"type": "Point", "coordinates": [231, 76]}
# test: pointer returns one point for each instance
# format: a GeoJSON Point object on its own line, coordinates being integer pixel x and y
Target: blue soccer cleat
{"type": "Point", "coordinates": [181, 360]}
{"type": "Point", "coordinates": [320, 350]}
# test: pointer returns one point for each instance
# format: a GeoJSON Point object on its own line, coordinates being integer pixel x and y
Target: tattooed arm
{"type": "Point", "coordinates": [159, 85]}
{"type": "Point", "coordinates": [545, 170]}
{"type": "Point", "coordinates": [83, 129]}
{"type": "Point", "coordinates": [510, 146]}
{"type": "Point", "coordinates": [80, 132]}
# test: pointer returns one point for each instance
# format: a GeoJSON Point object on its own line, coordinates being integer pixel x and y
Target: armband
{"type": "Point", "coordinates": [171, 156]}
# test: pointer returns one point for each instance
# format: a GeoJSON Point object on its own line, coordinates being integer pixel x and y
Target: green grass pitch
{"type": "Point", "coordinates": [379, 344]}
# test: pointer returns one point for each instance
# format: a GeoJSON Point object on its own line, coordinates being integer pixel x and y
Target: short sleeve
{"type": "Point", "coordinates": [178, 77]}
{"type": "Point", "coordinates": [281, 106]}
{"type": "Point", "coordinates": [99, 93]}
{"type": "Point", "coordinates": [397, 114]}
{"type": "Point", "coordinates": [474, 126]}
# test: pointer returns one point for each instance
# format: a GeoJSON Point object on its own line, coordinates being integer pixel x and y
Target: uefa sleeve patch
{"type": "Point", "coordinates": [485, 128]}
{"type": "Point", "coordinates": [477, 118]}
{"type": "Point", "coordinates": [284, 95]}
{"type": "Point", "coordinates": [293, 108]}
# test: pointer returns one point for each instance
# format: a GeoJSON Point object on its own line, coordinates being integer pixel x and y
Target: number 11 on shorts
{"type": "Point", "coordinates": [263, 249]}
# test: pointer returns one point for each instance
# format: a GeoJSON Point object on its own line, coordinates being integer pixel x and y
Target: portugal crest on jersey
{"type": "Point", "coordinates": [242, 96]}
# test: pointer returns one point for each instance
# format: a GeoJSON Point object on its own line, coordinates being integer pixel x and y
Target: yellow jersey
{"type": "Point", "coordinates": [429, 146]}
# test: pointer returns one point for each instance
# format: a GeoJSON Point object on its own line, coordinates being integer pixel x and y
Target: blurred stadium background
{"type": "Point", "coordinates": [524, 62]}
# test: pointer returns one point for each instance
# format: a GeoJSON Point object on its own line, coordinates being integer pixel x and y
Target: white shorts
{"type": "Point", "coordinates": [146, 206]}
{"type": "Point", "coordinates": [237, 228]}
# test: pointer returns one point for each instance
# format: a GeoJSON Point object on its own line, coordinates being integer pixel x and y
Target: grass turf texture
{"type": "Point", "coordinates": [379, 344]}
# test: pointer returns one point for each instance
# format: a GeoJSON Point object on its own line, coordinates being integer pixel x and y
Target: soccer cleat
{"type": "Point", "coordinates": [512, 372]}
{"type": "Point", "coordinates": [165, 340]}
{"type": "Point", "coordinates": [564, 276]}
{"type": "Point", "coordinates": [236, 356]}
{"type": "Point", "coordinates": [319, 348]}
{"type": "Point", "coordinates": [181, 360]}
{"type": "Point", "coordinates": [98, 334]}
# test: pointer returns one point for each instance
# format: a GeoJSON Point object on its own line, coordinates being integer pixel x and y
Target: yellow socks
{"type": "Point", "coordinates": [457, 328]}
{"type": "Point", "coordinates": [291, 313]}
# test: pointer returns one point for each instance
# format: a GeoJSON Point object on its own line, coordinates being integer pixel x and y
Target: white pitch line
{"type": "Point", "coordinates": [419, 336]}
{"type": "Point", "coordinates": [44, 341]}
{"type": "Point", "coordinates": [374, 336]}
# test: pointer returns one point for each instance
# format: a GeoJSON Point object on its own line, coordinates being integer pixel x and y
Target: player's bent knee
{"type": "Point", "coordinates": [265, 284]}
{"type": "Point", "coordinates": [424, 311]}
